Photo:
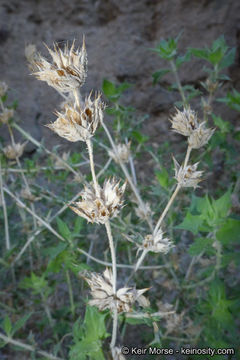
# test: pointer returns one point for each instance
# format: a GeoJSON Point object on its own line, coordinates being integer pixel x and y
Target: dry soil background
{"type": "Point", "coordinates": [118, 36]}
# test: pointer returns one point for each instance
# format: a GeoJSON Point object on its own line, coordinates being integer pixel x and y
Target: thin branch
{"type": "Point", "coordinates": [28, 347]}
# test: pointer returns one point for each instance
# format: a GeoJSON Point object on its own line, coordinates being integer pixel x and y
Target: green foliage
{"type": "Point", "coordinates": [232, 99]}
{"type": "Point", "coordinates": [113, 92]}
{"type": "Point", "coordinates": [88, 336]}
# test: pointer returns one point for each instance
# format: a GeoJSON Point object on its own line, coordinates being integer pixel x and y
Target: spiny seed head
{"type": "Point", "coordinates": [156, 243]}
{"type": "Point", "coordinates": [12, 152]}
{"type": "Point", "coordinates": [184, 122]}
{"type": "Point", "coordinates": [3, 88]}
{"type": "Point", "coordinates": [67, 71]}
{"type": "Point", "coordinates": [123, 153]}
{"type": "Point", "coordinates": [6, 115]}
{"type": "Point", "coordinates": [79, 123]}
{"type": "Point", "coordinates": [200, 136]}
{"type": "Point", "coordinates": [104, 297]}
{"type": "Point", "coordinates": [100, 209]}
{"type": "Point", "coordinates": [187, 176]}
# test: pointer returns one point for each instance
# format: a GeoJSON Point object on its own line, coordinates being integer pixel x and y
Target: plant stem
{"type": "Point", "coordinates": [28, 347]}
{"type": "Point", "coordinates": [179, 85]}
{"type": "Point", "coordinates": [70, 292]}
{"type": "Point", "coordinates": [114, 329]}
{"type": "Point", "coordinates": [7, 237]}
{"type": "Point", "coordinates": [113, 255]}
{"type": "Point", "coordinates": [90, 151]}
{"type": "Point", "coordinates": [129, 179]}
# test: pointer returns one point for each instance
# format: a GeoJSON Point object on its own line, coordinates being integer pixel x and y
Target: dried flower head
{"type": "Point", "coordinates": [100, 209]}
{"type": "Point", "coordinates": [6, 115]}
{"type": "Point", "coordinates": [27, 195]}
{"type": "Point", "coordinates": [117, 354]}
{"type": "Point", "coordinates": [187, 176]}
{"type": "Point", "coordinates": [123, 152]}
{"type": "Point", "coordinates": [79, 124]}
{"type": "Point", "coordinates": [3, 88]}
{"type": "Point", "coordinates": [104, 297]}
{"type": "Point", "coordinates": [184, 122]}
{"type": "Point", "coordinates": [68, 69]}
{"type": "Point", "coordinates": [32, 57]}
{"type": "Point", "coordinates": [12, 152]}
{"type": "Point", "coordinates": [143, 214]}
{"type": "Point", "coordinates": [200, 136]}
{"type": "Point", "coordinates": [60, 163]}
{"type": "Point", "coordinates": [156, 243]}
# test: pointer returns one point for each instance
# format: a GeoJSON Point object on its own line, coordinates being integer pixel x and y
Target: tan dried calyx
{"type": "Point", "coordinates": [100, 209]}
{"type": "Point", "coordinates": [123, 152]}
{"type": "Point", "coordinates": [6, 115]}
{"type": "Point", "coordinates": [3, 88]}
{"type": "Point", "coordinates": [156, 243]}
{"type": "Point", "coordinates": [104, 297]}
{"type": "Point", "coordinates": [187, 176]}
{"type": "Point", "coordinates": [12, 152]}
{"type": "Point", "coordinates": [67, 71]}
{"type": "Point", "coordinates": [79, 123]}
{"type": "Point", "coordinates": [186, 123]}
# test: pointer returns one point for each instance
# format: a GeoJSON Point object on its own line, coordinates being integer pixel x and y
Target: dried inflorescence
{"type": "Point", "coordinates": [6, 115]}
{"type": "Point", "coordinates": [12, 152]}
{"type": "Point", "coordinates": [187, 176]}
{"type": "Point", "coordinates": [122, 153]}
{"type": "Point", "coordinates": [79, 123]}
{"type": "Point", "coordinates": [3, 88]}
{"type": "Point", "coordinates": [99, 209]}
{"type": "Point", "coordinates": [104, 297]}
{"type": "Point", "coordinates": [156, 243]}
{"type": "Point", "coordinates": [66, 72]}
{"type": "Point", "coordinates": [186, 123]}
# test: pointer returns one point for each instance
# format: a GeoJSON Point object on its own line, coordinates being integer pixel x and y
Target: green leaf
{"type": "Point", "coordinates": [200, 53]}
{"type": "Point", "coordinates": [63, 229]}
{"type": "Point", "coordinates": [140, 137]}
{"type": "Point", "coordinates": [223, 125]}
{"type": "Point", "coordinates": [191, 223]}
{"type": "Point", "coordinates": [109, 88]}
{"type": "Point", "coordinates": [199, 245]}
{"type": "Point", "coordinates": [163, 178]}
{"type": "Point", "coordinates": [95, 323]}
{"type": "Point", "coordinates": [21, 322]}
{"type": "Point", "coordinates": [54, 251]}
{"type": "Point", "coordinates": [157, 76]}
{"type": "Point", "coordinates": [182, 59]}
{"type": "Point", "coordinates": [7, 325]}
{"type": "Point", "coordinates": [222, 205]}
{"type": "Point", "coordinates": [229, 231]}
{"type": "Point", "coordinates": [78, 225]}
{"type": "Point", "coordinates": [228, 59]}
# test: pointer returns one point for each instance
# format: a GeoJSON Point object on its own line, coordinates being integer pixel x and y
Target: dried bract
{"type": "Point", "coordinates": [6, 115]}
{"type": "Point", "coordinates": [184, 122]}
{"type": "Point", "coordinates": [79, 124]}
{"type": "Point", "coordinates": [12, 152]}
{"type": "Point", "coordinates": [67, 71]}
{"type": "Point", "coordinates": [3, 88]}
{"type": "Point", "coordinates": [27, 195]}
{"type": "Point", "coordinates": [100, 209]}
{"type": "Point", "coordinates": [200, 136]}
{"type": "Point", "coordinates": [144, 213]}
{"type": "Point", "coordinates": [104, 297]}
{"type": "Point", "coordinates": [156, 243]}
{"type": "Point", "coordinates": [123, 152]}
{"type": "Point", "coordinates": [187, 176]}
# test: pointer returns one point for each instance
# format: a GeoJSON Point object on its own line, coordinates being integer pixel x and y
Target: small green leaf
{"type": "Point", "coordinates": [140, 137]}
{"type": "Point", "coordinates": [7, 325]}
{"type": "Point", "coordinates": [163, 178]}
{"type": "Point", "coordinates": [229, 231]}
{"type": "Point", "coordinates": [157, 76]}
{"type": "Point", "coordinates": [191, 223]}
{"type": "Point", "coordinates": [63, 229]}
{"type": "Point", "coordinates": [21, 322]}
{"type": "Point", "coordinates": [199, 245]}
{"type": "Point", "coordinates": [228, 59]}
{"type": "Point", "coordinates": [223, 125]}
{"type": "Point", "coordinates": [109, 88]}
